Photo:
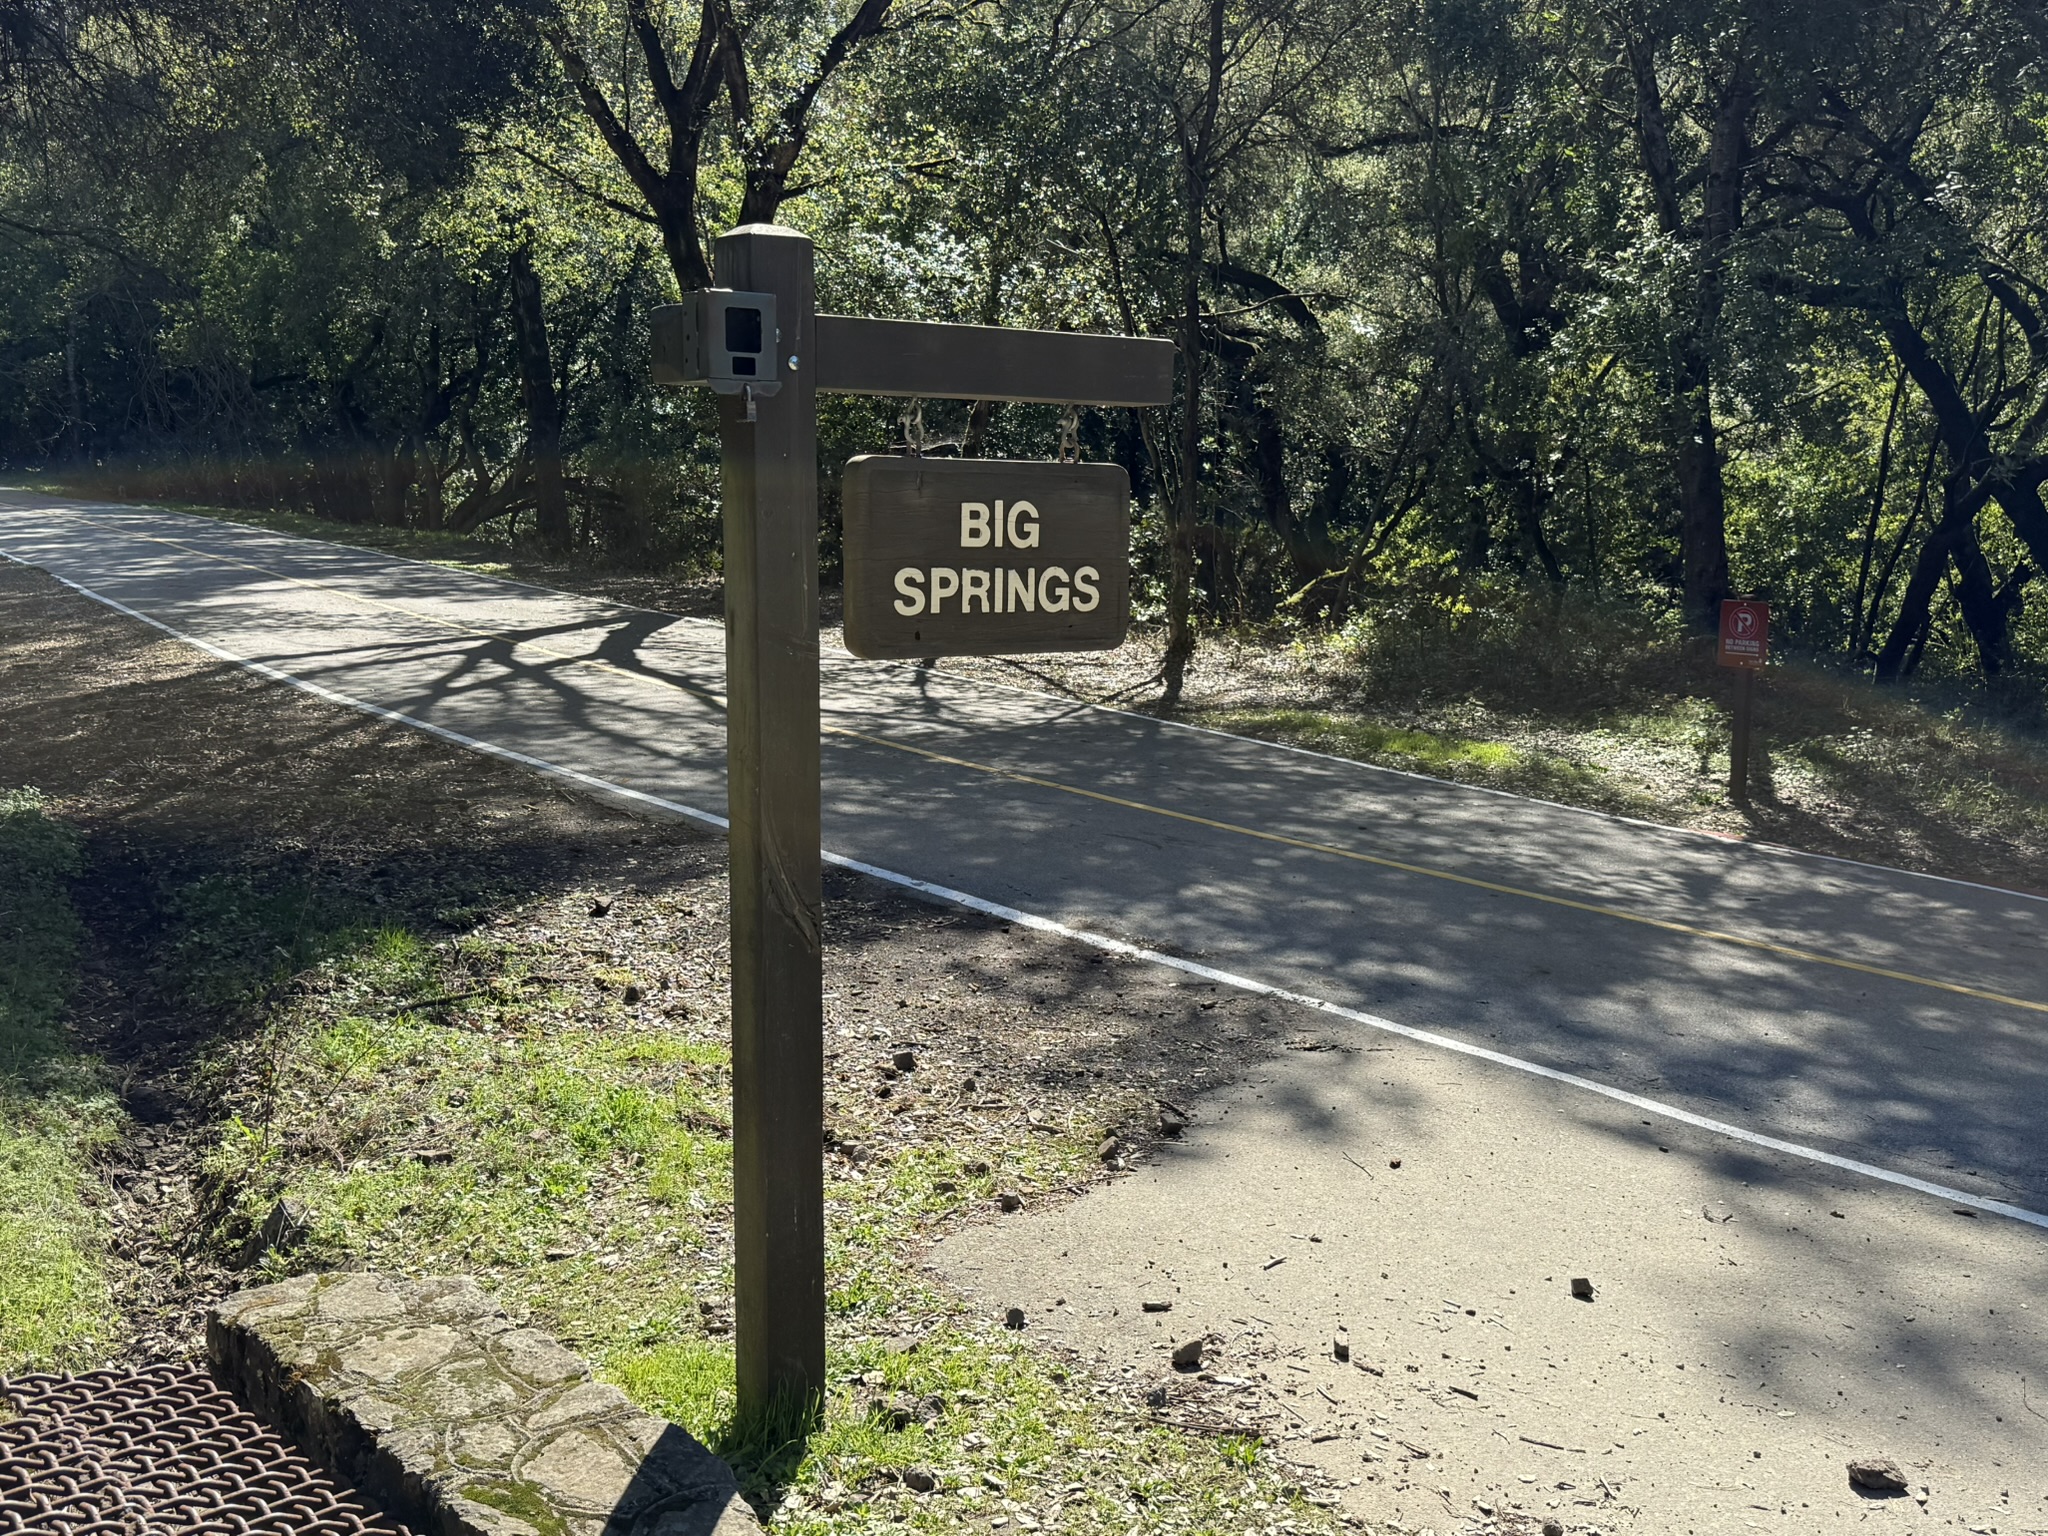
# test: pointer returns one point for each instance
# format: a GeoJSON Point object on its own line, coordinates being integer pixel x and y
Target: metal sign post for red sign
{"type": "Point", "coordinates": [1746, 646]}
{"type": "Point", "coordinates": [943, 557]}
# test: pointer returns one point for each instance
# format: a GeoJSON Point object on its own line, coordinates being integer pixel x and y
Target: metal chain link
{"type": "Point", "coordinates": [1070, 436]}
{"type": "Point", "coordinates": [160, 1452]}
{"type": "Point", "coordinates": [915, 439]}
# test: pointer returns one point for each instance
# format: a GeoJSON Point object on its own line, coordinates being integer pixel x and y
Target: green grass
{"type": "Point", "coordinates": [1443, 754]}
{"type": "Point", "coordinates": [1006, 1431]}
{"type": "Point", "coordinates": [577, 1159]}
{"type": "Point", "coordinates": [56, 1111]}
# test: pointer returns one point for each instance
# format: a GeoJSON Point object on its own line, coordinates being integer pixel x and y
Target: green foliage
{"type": "Point", "coordinates": [56, 1109]}
{"type": "Point", "coordinates": [1457, 327]}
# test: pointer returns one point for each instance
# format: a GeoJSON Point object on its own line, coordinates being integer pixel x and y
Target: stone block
{"type": "Point", "coordinates": [458, 1419]}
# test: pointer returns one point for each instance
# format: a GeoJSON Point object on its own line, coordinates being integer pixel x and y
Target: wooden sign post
{"type": "Point", "coordinates": [758, 342]}
{"type": "Point", "coordinates": [1745, 645]}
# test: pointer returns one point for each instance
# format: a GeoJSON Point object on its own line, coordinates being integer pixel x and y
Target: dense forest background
{"type": "Point", "coordinates": [1484, 307]}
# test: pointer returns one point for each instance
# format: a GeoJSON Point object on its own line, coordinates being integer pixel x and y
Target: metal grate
{"type": "Point", "coordinates": [160, 1452]}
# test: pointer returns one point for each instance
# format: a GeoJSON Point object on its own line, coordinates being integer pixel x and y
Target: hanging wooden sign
{"type": "Point", "coordinates": [984, 557]}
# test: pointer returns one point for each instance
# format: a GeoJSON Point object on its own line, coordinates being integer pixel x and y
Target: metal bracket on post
{"type": "Point", "coordinates": [769, 450]}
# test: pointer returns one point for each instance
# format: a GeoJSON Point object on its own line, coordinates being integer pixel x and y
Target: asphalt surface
{"type": "Point", "coordinates": [1579, 942]}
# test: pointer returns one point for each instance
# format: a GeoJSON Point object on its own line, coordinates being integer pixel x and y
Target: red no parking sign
{"type": "Point", "coordinates": [1745, 632]}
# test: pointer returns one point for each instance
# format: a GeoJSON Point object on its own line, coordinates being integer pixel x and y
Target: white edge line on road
{"type": "Point", "coordinates": [1102, 942]}
{"type": "Point", "coordinates": [1686, 834]}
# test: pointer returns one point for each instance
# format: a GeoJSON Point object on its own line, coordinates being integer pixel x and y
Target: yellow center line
{"type": "Point", "coordinates": [1668, 925]}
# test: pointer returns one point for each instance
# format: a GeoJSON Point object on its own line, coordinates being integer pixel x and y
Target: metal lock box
{"type": "Point", "coordinates": [720, 338]}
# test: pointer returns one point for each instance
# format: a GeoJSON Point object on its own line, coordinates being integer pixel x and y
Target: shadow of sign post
{"type": "Point", "coordinates": [758, 342]}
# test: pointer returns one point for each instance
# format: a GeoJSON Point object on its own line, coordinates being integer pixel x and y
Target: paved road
{"type": "Point", "coordinates": [1872, 1014]}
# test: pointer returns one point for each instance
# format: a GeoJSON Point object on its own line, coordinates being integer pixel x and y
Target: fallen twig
{"type": "Point", "coordinates": [438, 1002]}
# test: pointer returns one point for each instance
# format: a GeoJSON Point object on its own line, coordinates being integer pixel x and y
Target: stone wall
{"type": "Point", "coordinates": [460, 1422]}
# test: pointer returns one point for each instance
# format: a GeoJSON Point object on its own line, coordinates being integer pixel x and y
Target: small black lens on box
{"type": "Point", "coordinates": [743, 331]}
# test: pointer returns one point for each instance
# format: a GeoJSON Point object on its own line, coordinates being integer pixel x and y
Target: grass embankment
{"type": "Point", "coordinates": [520, 1102]}
{"type": "Point", "coordinates": [1612, 711]}
{"type": "Point", "coordinates": [56, 1110]}
{"type": "Point", "coordinates": [1839, 767]}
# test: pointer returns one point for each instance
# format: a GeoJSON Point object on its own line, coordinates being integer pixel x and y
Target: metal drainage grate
{"type": "Point", "coordinates": [160, 1452]}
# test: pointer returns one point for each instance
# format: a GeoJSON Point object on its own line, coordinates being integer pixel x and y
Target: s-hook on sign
{"type": "Point", "coordinates": [984, 557]}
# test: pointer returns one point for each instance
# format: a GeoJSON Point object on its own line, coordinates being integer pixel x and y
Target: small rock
{"type": "Point", "coordinates": [892, 1415]}
{"type": "Point", "coordinates": [1582, 1288]}
{"type": "Point", "coordinates": [556, 1255]}
{"type": "Point", "coordinates": [1393, 1162]}
{"type": "Point", "coordinates": [1108, 1150]}
{"type": "Point", "coordinates": [1878, 1474]}
{"type": "Point", "coordinates": [918, 1480]}
{"type": "Point", "coordinates": [600, 905]}
{"type": "Point", "coordinates": [1156, 1306]}
{"type": "Point", "coordinates": [632, 992]}
{"type": "Point", "coordinates": [977, 1169]}
{"type": "Point", "coordinates": [1014, 1318]}
{"type": "Point", "coordinates": [1009, 1200]}
{"type": "Point", "coordinates": [904, 1344]}
{"type": "Point", "coordinates": [1188, 1356]}
{"type": "Point", "coordinates": [1156, 1398]}
{"type": "Point", "coordinates": [904, 1061]}
{"type": "Point", "coordinates": [1340, 1348]}
{"type": "Point", "coordinates": [1553, 1528]}
{"type": "Point", "coordinates": [943, 1186]}
{"type": "Point", "coordinates": [1171, 1122]}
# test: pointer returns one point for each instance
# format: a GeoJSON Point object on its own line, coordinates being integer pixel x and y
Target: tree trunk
{"type": "Point", "coordinates": [1907, 638]}
{"type": "Point", "coordinates": [74, 428]}
{"type": "Point", "coordinates": [1197, 143]}
{"type": "Point", "coordinates": [2015, 486]}
{"type": "Point", "coordinates": [1180, 542]}
{"type": "Point", "coordinates": [543, 409]}
{"type": "Point", "coordinates": [1977, 595]}
{"type": "Point", "coordinates": [1308, 556]}
{"type": "Point", "coordinates": [1884, 472]}
{"type": "Point", "coordinates": [1696, 451]}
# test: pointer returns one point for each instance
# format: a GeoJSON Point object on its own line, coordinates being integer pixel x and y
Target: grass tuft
{"type": "Point", "coordinates": [56, 1108]}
